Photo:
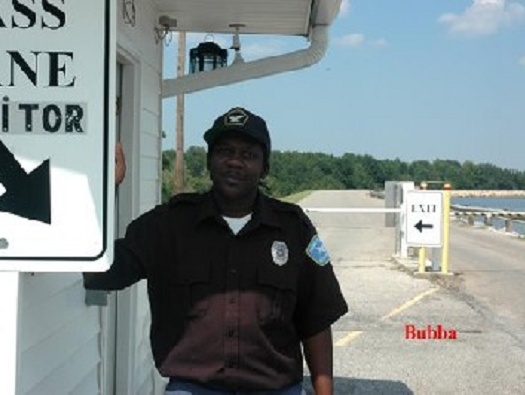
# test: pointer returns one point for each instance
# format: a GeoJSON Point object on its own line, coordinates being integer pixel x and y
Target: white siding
{"type": "Point", "coordinates": [150, 144]}
{"type": "Point", "coordinates": [60, 338]}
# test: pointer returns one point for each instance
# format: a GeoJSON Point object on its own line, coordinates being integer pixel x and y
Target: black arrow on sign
{"type": "Point", "coordinates": [26, 195]}
{"type": "Point", "coordinates": [420, 226]}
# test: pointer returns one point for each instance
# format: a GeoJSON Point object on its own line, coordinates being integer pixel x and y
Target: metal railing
{"type": "Point", "coordinates": [483, 211]}
{"type": "Point", "coordinates": [487, 215]}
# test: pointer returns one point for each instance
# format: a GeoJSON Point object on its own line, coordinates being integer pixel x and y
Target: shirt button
{"type": "Point", "coordinates": [231, 333]}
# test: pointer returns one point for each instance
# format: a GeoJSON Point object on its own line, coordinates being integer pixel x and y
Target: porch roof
{"type": "Point", "coordinates": [283, 17]}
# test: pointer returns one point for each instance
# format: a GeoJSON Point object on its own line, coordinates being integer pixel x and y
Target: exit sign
{"type": "Point", "coordinates": [424, 218]}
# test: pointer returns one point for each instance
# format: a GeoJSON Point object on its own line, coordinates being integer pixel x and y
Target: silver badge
{"type": "Point", "coordinates": [279, 252]}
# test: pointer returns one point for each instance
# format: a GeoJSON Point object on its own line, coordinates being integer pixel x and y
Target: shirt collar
{"type": "Point", "coordinates": [263, 212]}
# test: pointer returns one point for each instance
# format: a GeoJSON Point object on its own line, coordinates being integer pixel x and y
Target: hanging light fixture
{"type": "Point", "coordinates": [207, 56]}
{"type": "Point", "coordinates": [236, 44]}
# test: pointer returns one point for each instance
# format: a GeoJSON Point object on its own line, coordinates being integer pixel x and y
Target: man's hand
{"type": "Point", "coordinates": [120, 164]}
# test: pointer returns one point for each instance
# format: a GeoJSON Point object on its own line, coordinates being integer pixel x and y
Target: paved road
{"type": "Point", "coordinates": [372, 354]}
{"type": "Point", "coordinates": [492, 269]}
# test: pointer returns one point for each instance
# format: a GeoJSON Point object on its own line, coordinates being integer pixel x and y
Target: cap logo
{"type": "Point", "coordinates": [236, 117]}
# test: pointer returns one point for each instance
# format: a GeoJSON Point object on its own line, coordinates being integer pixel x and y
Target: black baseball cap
{"type": "Point", "coordinates": [245, 123]}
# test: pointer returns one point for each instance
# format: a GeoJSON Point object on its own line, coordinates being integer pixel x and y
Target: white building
{"type": "Point", "coordinates": [53, 342]}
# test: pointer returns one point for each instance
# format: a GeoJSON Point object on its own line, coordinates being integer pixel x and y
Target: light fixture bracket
{"type": "Point", "coordinates": [165, 26]}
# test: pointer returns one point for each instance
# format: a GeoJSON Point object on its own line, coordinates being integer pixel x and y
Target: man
{"type": "Point", "coordinates": [237, 281]}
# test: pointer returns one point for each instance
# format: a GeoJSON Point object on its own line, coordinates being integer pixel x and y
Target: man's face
{"type": "Point", "coordinates": [236, 166]}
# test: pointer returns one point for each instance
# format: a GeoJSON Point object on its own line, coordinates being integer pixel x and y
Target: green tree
{"type": "Point", "coordinates": [292, 172]}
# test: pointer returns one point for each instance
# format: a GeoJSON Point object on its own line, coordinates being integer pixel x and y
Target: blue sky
{"type": "Point", "coordinates": [405, 79]}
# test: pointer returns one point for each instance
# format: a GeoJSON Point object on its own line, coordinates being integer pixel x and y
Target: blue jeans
{"type": "Point", "coordinates": [176, 387]}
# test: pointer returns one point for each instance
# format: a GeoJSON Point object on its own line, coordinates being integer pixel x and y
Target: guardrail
{"type": "Point", "coordinates": [483, 211]}
{"type": "Point", "coordinates": [470, 213]}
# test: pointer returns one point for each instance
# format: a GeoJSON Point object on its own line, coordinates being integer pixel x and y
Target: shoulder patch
{"type": "Point", "coordinates": [317, 251]}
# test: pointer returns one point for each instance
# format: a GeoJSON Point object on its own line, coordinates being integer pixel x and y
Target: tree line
{"type": "Point", "coordinates": [292, 172]}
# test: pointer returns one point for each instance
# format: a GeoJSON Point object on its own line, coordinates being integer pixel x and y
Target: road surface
{"type": "Point", "coordinates": [491, 266]}
{"type": "Point", "coordinates": [372, 354]}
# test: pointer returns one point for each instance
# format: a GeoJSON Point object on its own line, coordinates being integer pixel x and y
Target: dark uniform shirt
{"type": "Point", "coordinates": [228, 311]}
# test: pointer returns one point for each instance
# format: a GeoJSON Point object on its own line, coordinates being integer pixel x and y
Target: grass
{"type": "Point", "coordinates": [294, 198]}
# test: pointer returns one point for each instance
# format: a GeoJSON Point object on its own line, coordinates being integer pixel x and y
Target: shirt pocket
{"type": "Point", "coordinates": [191, 281]}
{"type": "Point", "coordinates": [277, 293]}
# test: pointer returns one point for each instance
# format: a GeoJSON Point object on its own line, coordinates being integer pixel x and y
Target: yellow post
{"type": "Point", "coordinates": [446, 229]}
{"type": "Point", "coordinates": [422, 259]}
{"type": "Point", "coordinates": [422, 250]}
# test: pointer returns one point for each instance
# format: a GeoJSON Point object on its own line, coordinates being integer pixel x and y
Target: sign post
{"type": "Point", "coordinates": [57, 98]}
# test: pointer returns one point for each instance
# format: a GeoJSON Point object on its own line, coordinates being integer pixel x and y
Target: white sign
{"type": "Point", "coordinates": [57, 98]}
{"type": "Point", "coordinates": [424, 218]}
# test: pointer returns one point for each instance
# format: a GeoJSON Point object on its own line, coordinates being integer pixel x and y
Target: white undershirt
{"type": "Point", "coordinates": [236, 224]}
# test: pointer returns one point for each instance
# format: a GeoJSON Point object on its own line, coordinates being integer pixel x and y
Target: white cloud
{"type": "Point", "coordinates": [522, 60]}
{"type": "Point", "coordinates": [352, 40]}
{"type": "Point", "coordinates": [344, 9]}
{"type": "Point", "coordinates": [484, 17]}
{"type": "Point", "coordinates": [358, 40]}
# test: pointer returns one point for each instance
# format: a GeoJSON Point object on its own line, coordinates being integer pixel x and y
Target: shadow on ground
{"type": "Point", "coordinates": [353, 386]}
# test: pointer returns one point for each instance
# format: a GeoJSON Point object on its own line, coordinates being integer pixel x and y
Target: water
{"type": "Point", "coordinates": [507, 204]}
